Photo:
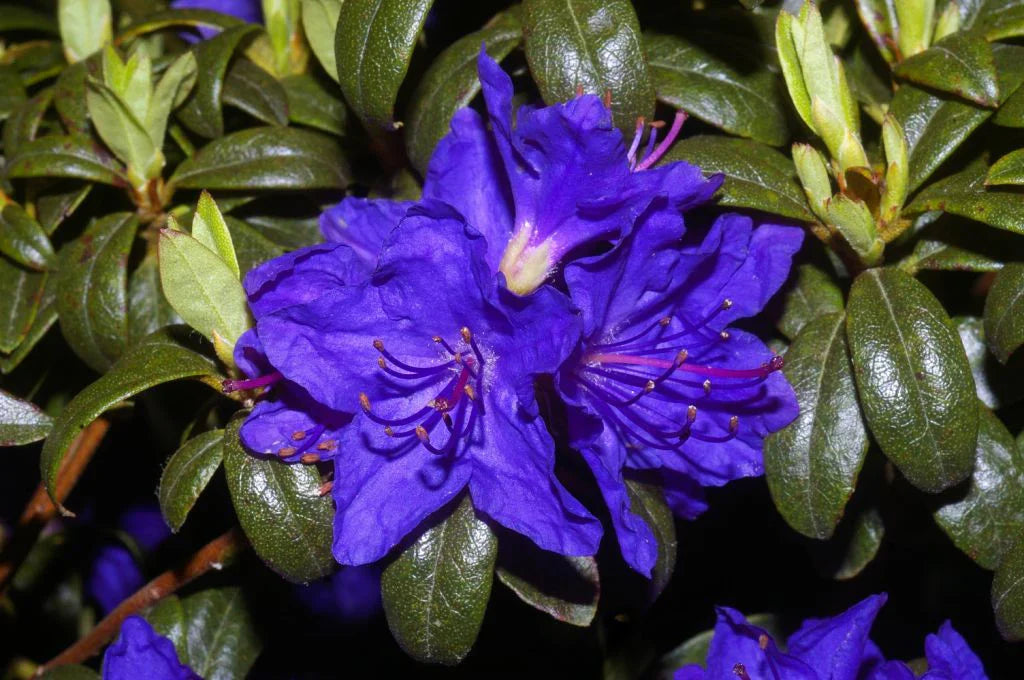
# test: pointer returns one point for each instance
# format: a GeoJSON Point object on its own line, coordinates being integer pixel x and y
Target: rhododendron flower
{"type": "Point", "coordinates": [141, 652]}
{"type": "Point", "coordinates": [246, 10]}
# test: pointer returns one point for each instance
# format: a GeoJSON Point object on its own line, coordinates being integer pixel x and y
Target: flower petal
{"type": "Point", "coordinates": [737, 642]}
{"type": "Point", "coordinates": [950, 657]}
{"type": "Point", "coordinates": [363, 224]}
{"type": "Point", "coordinates": [835, 646]}
{"type": "Point", "coordinates": [301, 276]}
{"type": "Point", "coordinates": [140, 652]}
{"type": "Point", "coordinates": [292, 421]}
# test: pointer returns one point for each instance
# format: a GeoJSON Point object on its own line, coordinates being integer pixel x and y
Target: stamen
{"type": "Point", "coordinates": [707, 386]}
{"type": "Point", "coordinates": [659, 325]}
{"type": "Point", "coordinates": [286, 452]}
{"type": "Point", "coordinates": [765, 369]}
{"type": "Point", "coordinates": [631, 155]}
{"type": "Point", "coordinates": [741, 671]}
{"type": "Point", "coordinates": [327, 445]}
{"type": "Point", "coordinates": [310, 458]}
{"type": "Point", "coordinates": [677, 125]}
{"type": "Point", "coordinates": [441, 341]}
{"type": "Point", "coordinates": [468, 389]}
{"type": "Point", "coordinates": [416, 371]}
{"type": "Point", "coordinates": [298, 435]}
{"type": "Point", "coordinates": [325, 488]}
{"type": "Point", "coordinates": [229, 386]}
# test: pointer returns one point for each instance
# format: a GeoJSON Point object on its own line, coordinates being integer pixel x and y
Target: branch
{"type": "Point", "coordinates": [40, 508]}
{"type": "Point", "coordinates": [214, 555]}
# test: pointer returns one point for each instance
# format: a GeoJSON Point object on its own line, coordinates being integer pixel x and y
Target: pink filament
{"type": "Point", "coordinates": [711, 371]}
{"type": "Point", "coordinates": [230, 386]}
{"type": "Point", "coordinates": [677, 125]}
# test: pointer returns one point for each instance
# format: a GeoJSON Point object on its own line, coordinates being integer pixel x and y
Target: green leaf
{"type": "Point", "coordinates": [372, 49]}
{"type": "Point", "coordinates": [648, 502]}
{"type": "Point", "coordinates": [148, 309]}
{"type": "Point", "coordinates": [24, 122]}
{"type": "Point", "coordinates": [253, 90]}
{"type": "Point", "coordinates": [961, 64]}
{"type": "Point", "coordinates": [29, 315]}
{"type": "Point", "coordinates": [15, 18]}
{"type": "Point", "coordinates": [690, 78]}
{"type": "Point", "coordinates": [210, 229]}
{"type": "Point", "coordinates": [1004, 312]}
{"type": "Point", "coordinates": [812, 464]}
{"type": "Point", "coordinates": [965, 194]}
{"type": "Point", "coordinates": [160, 358]}
{"type": "Point", "coordinates": [201, 112]}
{"type": "Point", "coordinates": [188, 471]}
{"type": "Point", "coordinates": [986, 518]}
{"type": "Point", "coordinates": [1008, 594]}
{"type": "Point", "coordinates": [21, 422]}
{"type": "Point", "coordinates": [85, 27]}
{"type": "Point", "coordinates": [862, 546]}
{"type": "Point", "coordinates": [12, 91]}
{"type": "Point", "coordinates": [266, 158]}
{"type": "Point", "coordinates": [312, 104]}
{"type": "Point", "coordinates": [567, 588]}
{"type": "Point", "coordinates": [949, 247]}
{"type": "Point", "coordinates": [994, 384]}
{"type": "Point", "coordinates": [91, 290]}
{"type": "Point", "coordinates": [1007, 170]}
{"type": "Point", "coordinates": [56, 207]}
{"type": "Point", "coordinates": [320, 22]}
{"type": "Point", "coordinates": [69, 95]}
{"type": "Point", "coordinates": [593, 44]}
{"type": "Point", "coordinates": [174, 86]}
{"type": "Point", "coordinates": [202, 288]}
{"type": "Point", "coordinates": [756, 176]}
{"type": "Point", "coordinates": [879, 20]}
{"type": "Point", "coordinates": [435, 593]}
{"type": "Point", "coordinates": [934, 127]}
{"type": "Point", "coordinates": [190, 18]}
{"type": "Point", "coordinates": [253, 248]}
{"type": "Point", "coordinates": [23, 239]}
{"type": "Point", "coordinates": [59, 156]}
{"type": "Point", "coordinates": [213, 632]}
{"type": "Point", "coordinates": [812, 294]}
{"type": "Point", "coordinates": [913, 378]}
{"type": "Point", "coordinates": [122, 131]}
{"type": "Point", "coordinates": [281, 510]}
{"type": "Point", "coordinates": [451, 83]}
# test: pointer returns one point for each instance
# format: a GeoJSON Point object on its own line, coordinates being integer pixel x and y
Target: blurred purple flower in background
{"type": "Point", "coordinates": [141, 652]}
{"type": "Point", "coordinates": [246, 10]}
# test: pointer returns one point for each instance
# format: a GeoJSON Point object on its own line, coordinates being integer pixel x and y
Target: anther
{"type": "Point", "coordinates": [447, 421]}
{"type": "Point", "coordinates": [328, 445]}
{"type": "Point", "coordinates": [649, 386]}
{"type": "Point", "coordinates": [309, 458]}
{"type": "Point", "coordinates": [298, 435]}
{"type": "Point", "coordinates": [388, 431]}
{"type": "Point", "coordinates": [776, 363]}
{"type": "Point", "coordinates": [691, 413]}
{"type": "Point", "coordinates": [421, 432]}
{"type": "Point", "coordinates": [681, 358]}
{"type": "Point", "coordinates": [726, 303]}
{"type": "Point", "coordinates": [741, 671]}
{"type": "Point", "coordinates": [724, 335]}
{"type": "Point", "coordinates": [458, 357]}
{"type": "Point", "coordinates": [382, 363]}
{"type": "Point", "coordinates": [286, 451]}
{"type": "Point", "coordinates": [734, 424]}
{"type": "Point", "coordinates": [707, 386]}
{"type": "Point", "coordinates": [665, 320]}
{"type": "Point", "coordinates": [466, 334]}
{"type": "Point", "coordinates": [437, 339]}
{"type": "Point", "coordinates": [470, 392]}
{"type": "Point", "coordinates": [762, 641]}
{"type": "Point", "coordinates": [364, 401]}
{"type": "Point", "coordinates": [325, 488]}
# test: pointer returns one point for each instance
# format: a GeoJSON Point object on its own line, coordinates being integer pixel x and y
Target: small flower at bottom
{"type": "Point", "coordinates": [437, 360]}
{"type": "Point", "coordinates": [141, 652]}
{"type": "Point", "coordinates": [660, 382]}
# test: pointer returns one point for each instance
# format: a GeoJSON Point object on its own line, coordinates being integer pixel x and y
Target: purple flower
{"type": "Point", "coordinates": [246, 10]}
{"type": "Point", "coordinates": [140, 652]}
{"type": "Point", "coordinates": [350, 595]}
{"type": "Point", "coordinates": [115, 572]}
{"type": "Point", "coordinates": [836, 648]}
{"type": "Point", "coordinates": [660, 381]}
{"type": "Point", "coordinates": [437, 360]}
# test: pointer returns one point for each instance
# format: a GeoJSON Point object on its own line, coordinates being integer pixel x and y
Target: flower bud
{"type": "Point", "coordinates": [897, 171]}
{"type": "Point", "coordinates": [916, 19]}
{"type": "Point", "coordinates": [810, 167]}
{"type": "Point", "coordinates": [852, 218]}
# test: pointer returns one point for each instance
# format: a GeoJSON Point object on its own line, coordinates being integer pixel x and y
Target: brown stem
{"type": "Point", "coordinates": [214, 555]}
{"type": "Point", "coordinates": [40, 508]}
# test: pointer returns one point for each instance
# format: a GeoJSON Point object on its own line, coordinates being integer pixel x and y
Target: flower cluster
{"type": "Point", "coordinates": [406, 349]}
{"type": "Point", "coordinates": [837, 647]}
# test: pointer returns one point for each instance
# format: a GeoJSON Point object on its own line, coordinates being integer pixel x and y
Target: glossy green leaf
{"type": "Point", "coordinates": [1011, 113]}
{"type": "Point", "coordinates": [12, 91]}
{"type": "Point", "coordinates": [69, 95]}
{"type": "Point", "coordinates": [266, 158]}
{"type": "Point", "coordinates": [960, 64]}
{"type": "Point", "coordinates": [23, 124]}
{"type": "Point", "coordinates": [1008, 593]}
{"type": "Point", "coordinates": [160, 358]}
{"type": "Point", "coordinates": [590, 44]}
{"type": "Point", "coordinates": [202, 288]}
{"type": "Point", "coordinates": [320, 22]}
{"type": "Point", "coordinates": [748, 104]}
{"type": "Point", "coordinates": [566, 588]}
{"type": "Point", "coordinates": [201, 112]}
{"type": "Point", "coordinates": [995, 385]}
{"type": "Point", "coordinates": [16, 18]}
{"type": "Point", "coordinates": [372, 49]}
{"type": "Point", "coordinates": [812, 294]}
{"type": "Point", "coordinates": [965, 194]}
{"type": "Point", "coordinates": [1004, 312]}
{"type": "Point", "coordinates": [251, 89]}
{"type": "Point", "coordinates": [187, 18]}
{"type": "Point", "coordinates": [21, 422]}
{"type": "Point", "coordinates": [451, 83]}
{"type": "Point", "coordinates": [756, 176]}
{"type": "Point", "coordinates": [92, 290]}
{"type": "Point", "coordinates": [986, 518]}
{"type": "Point", "coordinates": [435, 593]}
{"type": "Point", "coordinates": [648, 502]}
{"type": "Point", "coordinates": [950, 247]}
{"type": "Point", "coordinates": [25, 316]}
{"type": "Point", "coordinates": [59, 156]}
{"type": "Point", "coordinates": [210, 229]}
{"type": "Point", "coordinates": [879, 19]}
{"type": "Point", "coordinates": [861, 546]}
{"type": "Point", "coordinates": [186, 474]}
{"type": "Point", "coordinates": [148, 309]}
{"type": "Point", "coordinates": [85, 26]}
{"type": "Point", "coordinates": [54, 208]}
{"type": "Point", "coordinates": [934, 127]}
{"type": "Point", "coordinates": [812, 464]}
{"type": "Point", "coordinates": [23, 239]}
{"type": "Point", "coordinates": [124, 134]}
{"type": "Point", "coordinates": [213, 631]}
{"type": "Point", "coordinates": [1007, 170]}
{"type": "Point", "coordinates": [913, 378]}
{"type": "Point", "coordinates": [281, 510]}
{"type": "Point", "coordinates": [312, 104]}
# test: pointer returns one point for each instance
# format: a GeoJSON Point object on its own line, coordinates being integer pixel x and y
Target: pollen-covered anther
{"type": "Point", "coordinates": [388, 431]}
{"type": "Point", "coordinates": [327, 445]}
{"type": "Point", "coordinates": [298, 435]}
{"type": "Point", "coordinates": [691, 413]}
{"type": "Point", "coordinates": [286, 451]}
{"type": "Point", "coordinates": [383, 364]}
{"type": "Point", "coordinates": [724, 335]}
{"type": "Point", "coordinates": [421, 432]}
{"type": "Point", "coordinates": [734, 424]}
{"type": "Point", "coordinates": [364, 401]}
{"type": "Point", "coordinates": [762, 641]}
{"type": "Point", "coordinates": [664, 321]}
{"type": "Point", "coordinates": [726, 304]}
{"type": "Point", "coordinates": [378, 345]}
{"type": "Point", "coordinates": [740, 671]}
{"type": "Point", "coordinates": [681, 358]}
{"type": "Point", "coordinates": [466, 334]}
{"type": "Point", "coordinates": [707, 386]}
{"type": "Point", "coordinates": [309, 458]}
{"type": "Point", "coordinates": [469, 392]}
{"type": "Point", "coordinates": [649, 386]}
{"type": "Point", "coordinates": [776, 363]}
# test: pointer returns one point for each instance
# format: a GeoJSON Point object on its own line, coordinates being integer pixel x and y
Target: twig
{"type": "Point", "coordinates": [40, 508]}
{"type": "Point", "coordinates": [214, 555]}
